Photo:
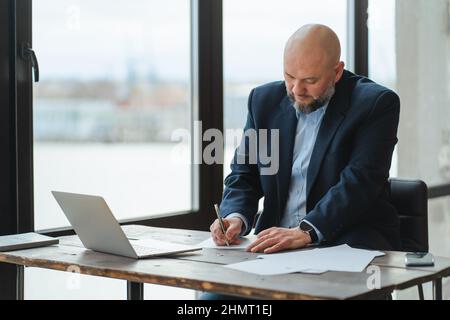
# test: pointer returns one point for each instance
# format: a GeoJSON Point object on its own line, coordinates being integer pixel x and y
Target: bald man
{"type": "Point", "coordinates": [337, 134]}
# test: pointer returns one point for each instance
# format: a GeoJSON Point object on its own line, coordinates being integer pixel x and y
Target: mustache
{"type": "Point", "coordinates": [317, 102]}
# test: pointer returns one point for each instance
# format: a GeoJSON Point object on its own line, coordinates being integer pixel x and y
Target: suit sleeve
{"type": "Point", "coordinates": [363, 179]}
{"type": "Point", "coordinates": [242, 186]}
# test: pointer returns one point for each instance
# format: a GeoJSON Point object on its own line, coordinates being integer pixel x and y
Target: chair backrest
{"type": "Point", "coordinates": [410, 198]}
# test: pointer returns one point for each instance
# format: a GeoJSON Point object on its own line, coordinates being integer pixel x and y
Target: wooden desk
{"type": "Point", "coordinates": [203, 270]}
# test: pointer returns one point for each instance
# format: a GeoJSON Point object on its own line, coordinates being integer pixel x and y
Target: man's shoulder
{"type": "Point", "coordinates": [267, 96]}
{"type": "Point", "coordinates": [365, 88]}
{"type": "Point", "coordinates": [275, 89]}
{"type": "Point", "coordinates": [272, 86]}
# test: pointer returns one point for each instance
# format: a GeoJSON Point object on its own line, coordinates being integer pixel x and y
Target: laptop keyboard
{"type": "Point", "coordinates": [143, 251]}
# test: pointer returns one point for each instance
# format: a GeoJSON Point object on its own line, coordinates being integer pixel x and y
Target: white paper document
{"type": "Point", "coordinates": [319, 260]}
{"type": "Point", "coordinates": [158, 248]}
{"type": "Point", "coordinates": [245, 242]}
{"type": "Point", "coordinates": [270, 267]}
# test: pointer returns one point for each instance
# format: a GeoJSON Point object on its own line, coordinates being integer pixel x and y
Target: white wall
{"type": "Point", "coordinates": [423, 83]}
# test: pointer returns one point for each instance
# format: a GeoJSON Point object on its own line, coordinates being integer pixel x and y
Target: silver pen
{"type": "Point", "coordinates": [222, 227]}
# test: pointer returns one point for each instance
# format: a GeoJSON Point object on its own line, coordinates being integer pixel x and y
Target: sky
{"type": "Point", "coordinates": [100, 39]}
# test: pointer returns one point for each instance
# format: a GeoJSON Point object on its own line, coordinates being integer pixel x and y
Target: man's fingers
{"type": "Point", "coordinates": [257, 242]}
{"type": "Point", "coordinates": [219, 238]}
{"type": "Point", "coordinates": [232, 227]}
{"type": "Point", "coordinates": [268, 242]}
{"type": "Point", "coordinates": [275, 248]}
{"type": "Point", "coordinates": [216, 233]}
{"type": "Point", "coordinates": [235, 241]}
{"type": "Point", "coordinates": [216, 229]}
{"type": "Point", "coordinates": [266, 232]}
{"type": "Point", "coordinates": [212, 227]}
{"type": "Point", "coordinates": [219, 235]}
{"type": "Point", "coordinates": [278, 239]}
{"type": "Point", "coordinates": [232, 231]}
{"type": "Point", "coordinates": [220, 241]}
{"type": "Point", "coordinates": [260, 240]}
{"type": "Point", "coordinates": [265, 244]}
{"type": "Point", "coordinates": [226, 223]}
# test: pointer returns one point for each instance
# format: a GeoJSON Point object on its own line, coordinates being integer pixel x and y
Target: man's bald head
{"type": "Point", "coordinates": [314, 43]}
{"type": "Point", "coordinates": [312, 66]}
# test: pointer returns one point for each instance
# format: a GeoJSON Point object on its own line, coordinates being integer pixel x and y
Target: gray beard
{"type": "Point", "coordinates": [316, 104]}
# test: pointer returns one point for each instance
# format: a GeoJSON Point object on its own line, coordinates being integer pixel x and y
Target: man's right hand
{"type": "Point", "coordinates": [233, 227]}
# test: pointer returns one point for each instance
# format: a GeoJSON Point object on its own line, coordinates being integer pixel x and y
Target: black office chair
{"type": "Point", "coordinates": [410, 198]}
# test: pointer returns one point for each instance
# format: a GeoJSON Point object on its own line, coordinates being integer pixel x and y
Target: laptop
{"type": "Point", "coordinates": [99, 230]}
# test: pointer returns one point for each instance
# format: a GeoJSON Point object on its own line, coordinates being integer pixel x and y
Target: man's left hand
{"type": "Point", "coordinates": [278, 239]}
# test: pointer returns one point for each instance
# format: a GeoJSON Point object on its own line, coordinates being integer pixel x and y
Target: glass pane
{"type": "Point", "coordinates": [114, 87]}
{"type": "Point", "coordinates": [255, 33]}
{"type": "Point", "coordinates": [382, 57]}
{"type": "Point", "coordinates": [409, 51]}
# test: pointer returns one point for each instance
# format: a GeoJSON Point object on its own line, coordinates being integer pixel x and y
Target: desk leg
{"type": "Point", "coordinates": [437, 289]}
{"type": "Point", "coordinates": [135, 290]}
{"type": "Point", "coordinates": [11, 281]}
{"type": "Point", "coordinates": [420, 288]}
{"type": "Point", "coordinates": [20, 282]}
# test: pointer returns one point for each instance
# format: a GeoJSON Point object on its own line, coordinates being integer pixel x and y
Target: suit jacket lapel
{"type": "Point", "coordinates": [332, 119]}
{"type": "Point", "coordinates": [287, 123]}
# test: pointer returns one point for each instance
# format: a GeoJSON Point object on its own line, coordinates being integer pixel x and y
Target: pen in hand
{"type": "Point", "coordinates": [222, 227]}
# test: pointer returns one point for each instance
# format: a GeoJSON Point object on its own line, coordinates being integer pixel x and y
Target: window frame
{"type": "Point", "coordinates": [361, 36]}
{"type": "Point", "coordinates": [16, 210]}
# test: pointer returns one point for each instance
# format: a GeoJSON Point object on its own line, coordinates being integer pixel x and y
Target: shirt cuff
{"type": "Point", "coordinates": [243, 218]}
{"type": "Point", "coordinates": [319, 234]}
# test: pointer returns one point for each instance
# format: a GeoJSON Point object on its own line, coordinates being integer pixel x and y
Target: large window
{"type": "Point", "coordinates": [409, 51]}
{"type": "Point", "coordinates": [255, 33]}
{"type": "Point", "coordinates": [114, 87]}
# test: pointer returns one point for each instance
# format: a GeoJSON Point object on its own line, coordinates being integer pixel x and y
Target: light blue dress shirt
{"type": "Point", "coordinates": [308, 126]}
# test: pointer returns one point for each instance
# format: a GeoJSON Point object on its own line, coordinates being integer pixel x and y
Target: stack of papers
{"type": "Point", "coordinates": [320, 260]}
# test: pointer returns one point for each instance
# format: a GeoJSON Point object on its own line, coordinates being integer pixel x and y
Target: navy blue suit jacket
{"type": "Point", "coordinates": [347, 179]}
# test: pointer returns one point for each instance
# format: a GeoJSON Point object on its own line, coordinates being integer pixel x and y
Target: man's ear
{"type": "Point", "coordinates": [339, 71]}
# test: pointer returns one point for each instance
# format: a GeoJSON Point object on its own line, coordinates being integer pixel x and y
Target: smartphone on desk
{"type": "Point", "coordinates": [419, 259]}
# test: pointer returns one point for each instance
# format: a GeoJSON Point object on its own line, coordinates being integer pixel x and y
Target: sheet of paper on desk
{"type": "Point", "coordinates": [270, 267]}
{"type": "Point", "coordinates": [339, 258]}
{"type": "Point", "coordinates": [268, 264]}
{"type": "Point", "coordinates": [245, 242]}
{"type": "Point", "coordinates": [163, 246]}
